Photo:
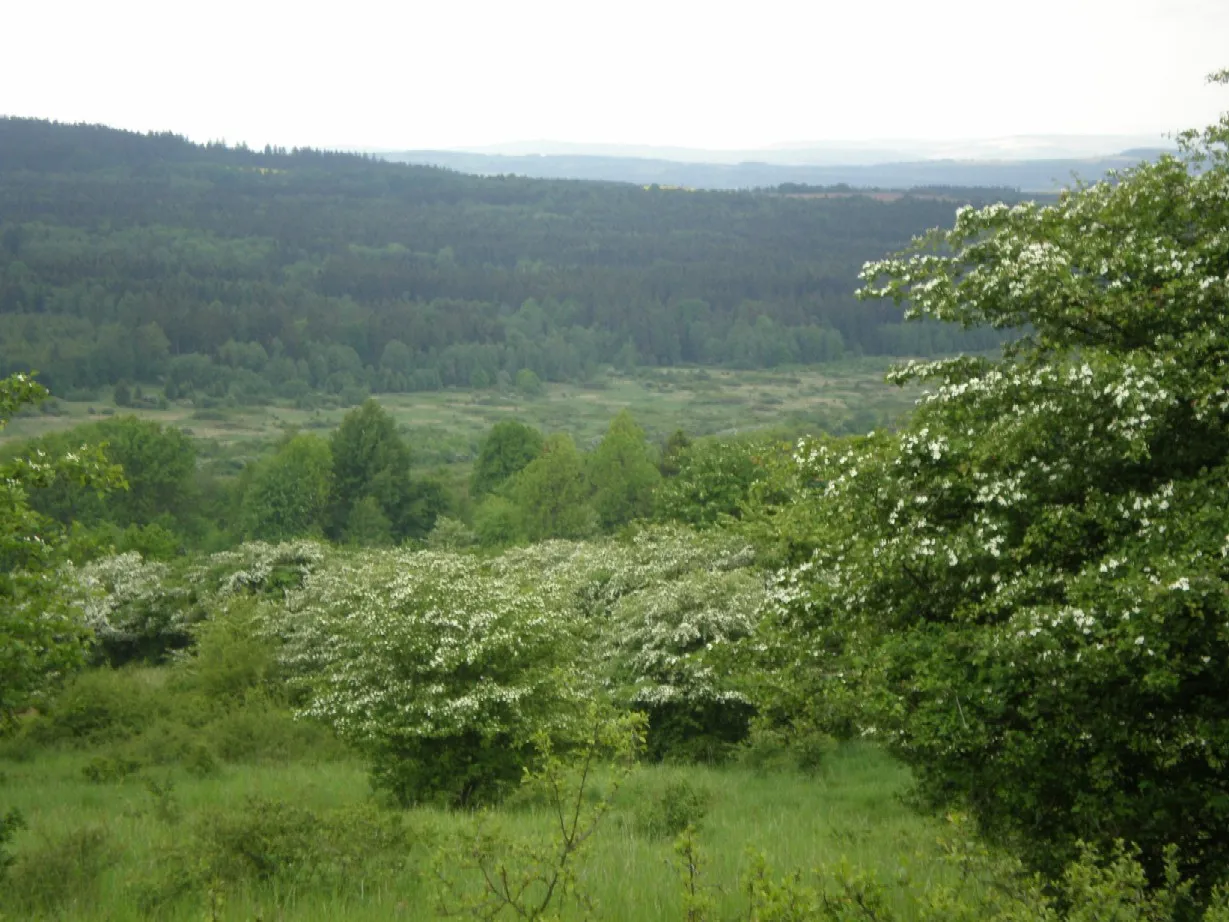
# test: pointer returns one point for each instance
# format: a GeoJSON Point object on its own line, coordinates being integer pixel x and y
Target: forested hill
{"type": "Point", "coordinates": [251, 274]}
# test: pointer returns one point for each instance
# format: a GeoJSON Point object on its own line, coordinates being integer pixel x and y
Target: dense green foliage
{"type": "Point", "coordinates": [41, 636]}
{"type": "Point", "coordinates": [1024, 591]}
{"type": "Point", "coordinates": [288, 494]}
{"type": "Point", "coordinates": [552, 493]}
{"type": "Point", "coordinates": [508, 448]}
{"type": "Point", "coordinates": [230, 274]}
{"type": "Point", "coordinates": [623, 474]}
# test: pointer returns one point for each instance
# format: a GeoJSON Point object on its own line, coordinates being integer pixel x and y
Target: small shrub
{"type": "Point", "coordinates": [164, 743]}
{"type": "Point", "coordinates": [166, 805]}
{"type": "Point", "coordinates": [99, 705]}
{"type": "Point", "coordinates": [10, 823]}
{"type": "Point", "coordinates": [232, 659]}
{"type": "Point", "coordinates": [265, 839]}
{"type": "Point", "coordinates": [263, 732]}
{"type": "Point", "coordinates": [666, 813]}
{"type": "Point", "coordinates": [200, 762]}
{"type": "Point", "coordinates": [105, 769]}
{"type": "Point", "coordinates": [60, 871]}
{"type": "Point", "coordinates": [770, 749]}
{"type": "Point", "coordinates": [270, 839]}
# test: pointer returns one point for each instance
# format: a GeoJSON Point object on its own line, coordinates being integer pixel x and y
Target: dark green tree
{"type": "Point", "coordinates": [370, 459]}
{"type": "Point", "coordinates": [159, 464]}
{"type": "Point", "coordinates": [677, 443]}
{"type": "Point", "coordinates": [507, 449]}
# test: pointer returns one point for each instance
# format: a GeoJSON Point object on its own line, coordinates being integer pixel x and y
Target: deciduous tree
{"type": "Point", "coordinates": [1025, 592]}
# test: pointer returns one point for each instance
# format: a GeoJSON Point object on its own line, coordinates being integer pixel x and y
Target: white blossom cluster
{"type": "Point", "coordinates": [251, 566]}
{"type": "Point", "coordinates": [1063, 506]}
{"type": "Point", "coordinates": [125, 599]}
{"type": "Point", "coordinates": [661, 639]}
{"type": "Point", "coordinates": [429, 645]}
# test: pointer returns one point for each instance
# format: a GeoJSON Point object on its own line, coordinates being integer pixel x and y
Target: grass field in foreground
{"type": "Point", "coordinates": [447, 426]}
{"type": "Point", "coordinates": [850, 810]}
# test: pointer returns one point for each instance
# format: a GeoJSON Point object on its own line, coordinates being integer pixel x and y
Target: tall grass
{"type": "Point", "coordinates": [148, 846]}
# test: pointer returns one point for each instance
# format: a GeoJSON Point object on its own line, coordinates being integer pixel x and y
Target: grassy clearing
{"type": "Point", "coordinates": [145, 842]}
{"type": "Point", "coordinates": [447, 426]}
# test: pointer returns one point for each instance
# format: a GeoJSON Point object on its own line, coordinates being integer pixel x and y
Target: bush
{"type": "Point", "coordinates": [98, 706]}
{"type": "Point", "coordinates": [232, 660]}
{"type": "Point", "coordinates": [662, 640]}
{"type": "Point", "coordinates": [104, 769]}
{"type": "Point", "coordinates": [266, 840]}
{"type": "Point", "coordinates": [772, 749]}
{"type": "Point", "coordinates": [262, 731]}
{"type": "Point", "coordinates": [450, 535]}
{"type": "Point", "coordinates": [10, 823]}
{"type": "Point", "coordinates": [59, 872]}
{"type": "Point", "coordinates": [666, 812]}
{"type": "Point", "coordinates": [475, 659]}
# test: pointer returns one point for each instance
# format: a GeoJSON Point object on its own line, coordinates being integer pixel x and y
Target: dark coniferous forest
{"type": "Point", "coordinates": [220, 271]}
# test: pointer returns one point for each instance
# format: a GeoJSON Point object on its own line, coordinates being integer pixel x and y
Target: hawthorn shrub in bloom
{"type": "Point", "coordinates": [1026, 591]}
{"type": "Point", "coordinates": [660, 645]}
{"type": "Point", "coordinates": [663, 611]}
{"type": "Point", "coordinates": [259, 568]}
{"type": "Point", "coordinates": [137, 609]}
{"type": "Point", "coordinates": [142, 609]}
{"type": "Point", "coordinates": [441, 667]}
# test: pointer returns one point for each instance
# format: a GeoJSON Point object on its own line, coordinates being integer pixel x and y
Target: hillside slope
{"type": "Point", "coordinates": [232, 271]}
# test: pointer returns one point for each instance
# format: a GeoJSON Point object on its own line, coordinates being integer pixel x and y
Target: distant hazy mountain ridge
{"type": "Point", "coordinates": [1010, 162]}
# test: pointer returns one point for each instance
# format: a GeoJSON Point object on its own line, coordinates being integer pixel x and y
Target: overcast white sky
{"type": "Point", "coordinates": [698, 73]}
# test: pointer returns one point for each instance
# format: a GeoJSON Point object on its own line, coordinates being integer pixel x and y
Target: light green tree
{"type": "Point", "coordinates": [367, 525]}
{"type": "Point", "coordinates": [42, 637]}
{"type": "Point", "coordinates": [528, 383]}
{"type": "Point", "coordinates": [623, 474]}
{"type": "Point", "coordinates": [289, 494]}
{"type": "Point", "coordinates": [552, 494]}
{"type": "Point", "coordinates": [497, 522]}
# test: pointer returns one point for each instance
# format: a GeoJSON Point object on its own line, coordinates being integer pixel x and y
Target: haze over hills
{"type": "Point", "coordinates": [852, 152]}
{"type": "Point", "coordinates": [1030, 176]}
{"type": "Point", "coordinates": [1030, 164]}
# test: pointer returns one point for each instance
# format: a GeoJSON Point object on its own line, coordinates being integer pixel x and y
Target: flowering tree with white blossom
{"type": "Point", "coordinates": [1025, 592]}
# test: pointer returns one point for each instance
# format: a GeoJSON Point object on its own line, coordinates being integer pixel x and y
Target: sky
{"type": "Point", "coordinates": [410, 74]}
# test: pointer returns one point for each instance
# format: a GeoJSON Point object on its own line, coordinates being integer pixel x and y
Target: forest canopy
{"type": "Point", "coordinates": [220, 272]}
